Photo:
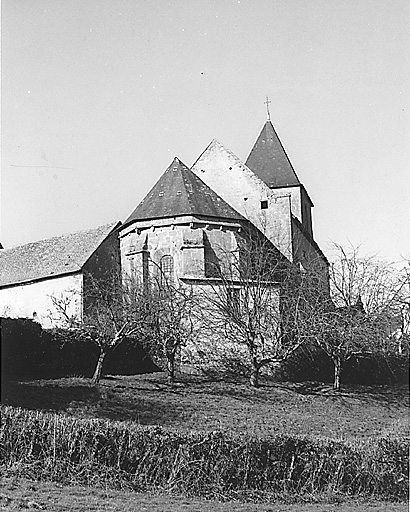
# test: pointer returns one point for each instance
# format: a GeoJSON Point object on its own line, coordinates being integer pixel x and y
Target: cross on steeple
{"type": "Point", "coordinates": [267, 106]}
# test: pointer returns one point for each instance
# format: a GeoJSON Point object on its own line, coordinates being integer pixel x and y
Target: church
{"type": "Point", "coordinates": [184, 226]}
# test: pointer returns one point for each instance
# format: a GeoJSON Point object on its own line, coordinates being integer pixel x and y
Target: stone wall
{"type": "Point", "coordinates": [269, 210]}
{"type": "Point", "coordinates": [106, 258]}
{"type": "Point", "coordinates": [197, 246]}
{"type": "Point", "coordinates": [211, 349]}
{"type": "Point", "coordinates": [104, 263]}
{"type": "Point", "coordinates": [309, 255]}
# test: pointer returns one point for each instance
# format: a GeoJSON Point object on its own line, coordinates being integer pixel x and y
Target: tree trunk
{"type": "Point", "coordinates": [400, 346]}
{"type": "Point", "coordinates": [337, 369]}
{"type": "Point", "coordinates": [171, 370]}
{"type": "Point", "coordinates": [254, 378]}
{"type": "Point", "coordinates": [98, 368]}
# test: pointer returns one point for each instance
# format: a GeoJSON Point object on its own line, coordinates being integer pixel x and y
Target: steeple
{"type": "Point", "coordinates": [180, 192]}
{"type": "Point", "coordinates": [269, 161]}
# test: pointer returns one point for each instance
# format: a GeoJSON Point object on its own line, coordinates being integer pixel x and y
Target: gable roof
{"type": "Point", "coordinates": [55, 256]}
{"type": "Point", "coordinates": [269, 161]}
{"type": "Point", "coordinates": [180, 192]}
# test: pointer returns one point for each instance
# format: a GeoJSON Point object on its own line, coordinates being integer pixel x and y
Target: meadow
{"type": "Point", "coordinates": [194, 403]}
{"type": "Point", "coordinates": [203, 438]}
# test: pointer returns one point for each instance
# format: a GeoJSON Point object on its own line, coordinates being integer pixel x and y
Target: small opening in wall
{"type": "Point", "coordinates": [230, 168]}
{"type": "Point", "coordinates": [245, 198]}
{"type": "Point", "coordinates": [264, 205]}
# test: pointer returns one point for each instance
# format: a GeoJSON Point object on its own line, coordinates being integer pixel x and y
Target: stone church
{"type": "Point", "coordinates": [191, 217]}
{"type": "Point", "coordinates": [185, 224]}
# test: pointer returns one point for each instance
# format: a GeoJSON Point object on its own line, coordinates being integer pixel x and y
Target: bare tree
{"type": "Point", "coordinates": [342, 334]}
{"type": "Point", "coordinates": [355, 277]}
{"type": "Point", "coordinates": [360, 317]}
{"type": "Point", "coordinates": [114, 309]}
{"type": "Point", "coordinates": [245, 302]}
{"type": "Point", "coordinates": [401, 333]}
{"type": "Point", "coordinates": [272, 307]}
{"type": "Point", "coordinates": [171, 324]}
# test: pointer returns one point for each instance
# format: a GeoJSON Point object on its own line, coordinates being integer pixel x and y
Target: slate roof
{"type": "Point", "coordinates": [180, 192]}
{"type": "Point", "coordinates": [55, 256]}
{"type": "Point", "coordinates": [269, 161]}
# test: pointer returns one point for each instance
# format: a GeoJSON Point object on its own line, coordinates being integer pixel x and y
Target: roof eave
{"type": "Point", "coordinates": [40, 279]}
{"type": "Point", "coordinates": [191, 214]}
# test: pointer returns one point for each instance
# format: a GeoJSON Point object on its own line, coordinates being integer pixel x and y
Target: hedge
{"type": "Point", "coordinates": [216, 464]}
{"type": "Point", "coordinates": [28, 351]}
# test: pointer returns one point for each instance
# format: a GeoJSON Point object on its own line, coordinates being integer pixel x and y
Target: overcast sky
{"type": "Point", "coordinates": [98, 96]}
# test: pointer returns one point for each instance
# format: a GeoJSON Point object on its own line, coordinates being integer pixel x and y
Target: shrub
{"type": "Point", "coordinates": [377, 369]}
{"type": "Point", "coordinates": [313, 364]}
{"type": "Point", "coordinates": [28, 351]}
{"type": "Point", "coordinates": [308, 363]}
{"type": "Point", "coordinates": [20, 346]}
{"type": "Point", "coordinates": [216, 464]}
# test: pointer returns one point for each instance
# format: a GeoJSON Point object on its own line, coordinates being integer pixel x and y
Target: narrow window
{"type": "Point", "coordinates": [167, 269]}
{"type": "Point", "coordinates": [264, 205]}
{"type": "Point", "coordinates": [233, 298]}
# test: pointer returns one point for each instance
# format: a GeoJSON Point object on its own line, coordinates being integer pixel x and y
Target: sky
{"type": "Point", "coordinates": [98, 97]}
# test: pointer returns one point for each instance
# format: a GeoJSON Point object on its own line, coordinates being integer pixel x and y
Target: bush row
{"type": "Point", "coordinates": [28, 351]}
{"type": "Point", "coordinates": [313, 364]}
{"type": "Point", "coordinates": [216, 464]}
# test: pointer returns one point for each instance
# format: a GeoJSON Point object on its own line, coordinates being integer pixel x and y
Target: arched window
{"type": "Point", "coordinates": [167, 269]}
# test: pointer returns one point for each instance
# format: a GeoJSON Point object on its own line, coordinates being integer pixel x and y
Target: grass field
{"type": "Point", "coordinates": [197, 404]}
{"type": "Point", "coordinates": [28, 495]}
{"type": "Point", "coordinates": [309, 409]}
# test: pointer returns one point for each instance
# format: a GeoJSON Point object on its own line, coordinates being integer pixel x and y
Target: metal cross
{"type": "Point", "coordinates": [267, 106]}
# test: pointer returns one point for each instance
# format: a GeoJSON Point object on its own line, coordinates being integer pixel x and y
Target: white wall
{"type": "Point", "coordinates": [34, 300]}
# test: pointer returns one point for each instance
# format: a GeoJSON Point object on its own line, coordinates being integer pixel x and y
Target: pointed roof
{"type": "Point", "coordinates": [269, 161]}
{"type": "Point", "coordinates": [52, 257]}
{"type": "Point", "coordinates": [180, 192]}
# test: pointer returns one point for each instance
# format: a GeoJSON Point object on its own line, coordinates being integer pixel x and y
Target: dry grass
{"type": "Point", "coordinates": [197, 404]}
{"type": "Point", "coordinates": [22, 494]}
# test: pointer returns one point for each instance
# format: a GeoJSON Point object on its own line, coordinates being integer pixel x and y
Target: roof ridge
{"type": "Point", "coordinates": [237, 161]}
{"type": "Point", "coordinates": [179, 192]}
{"type": "Point", "coordinates": [216, 143]}
{"type": "Point", "coordinates": [213, 142]}
{"type": "Point", "coordinates": [111, 225]}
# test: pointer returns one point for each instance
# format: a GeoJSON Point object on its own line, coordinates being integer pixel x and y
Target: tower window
{"type": "Point", "coordinates": [233, 298]}
{"type": "Point", "coordinates": [132, 267]}
{"type": "Point", "coordinates": [167, 269]}
{"type": "Point", "coordinates": [264, 205]}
